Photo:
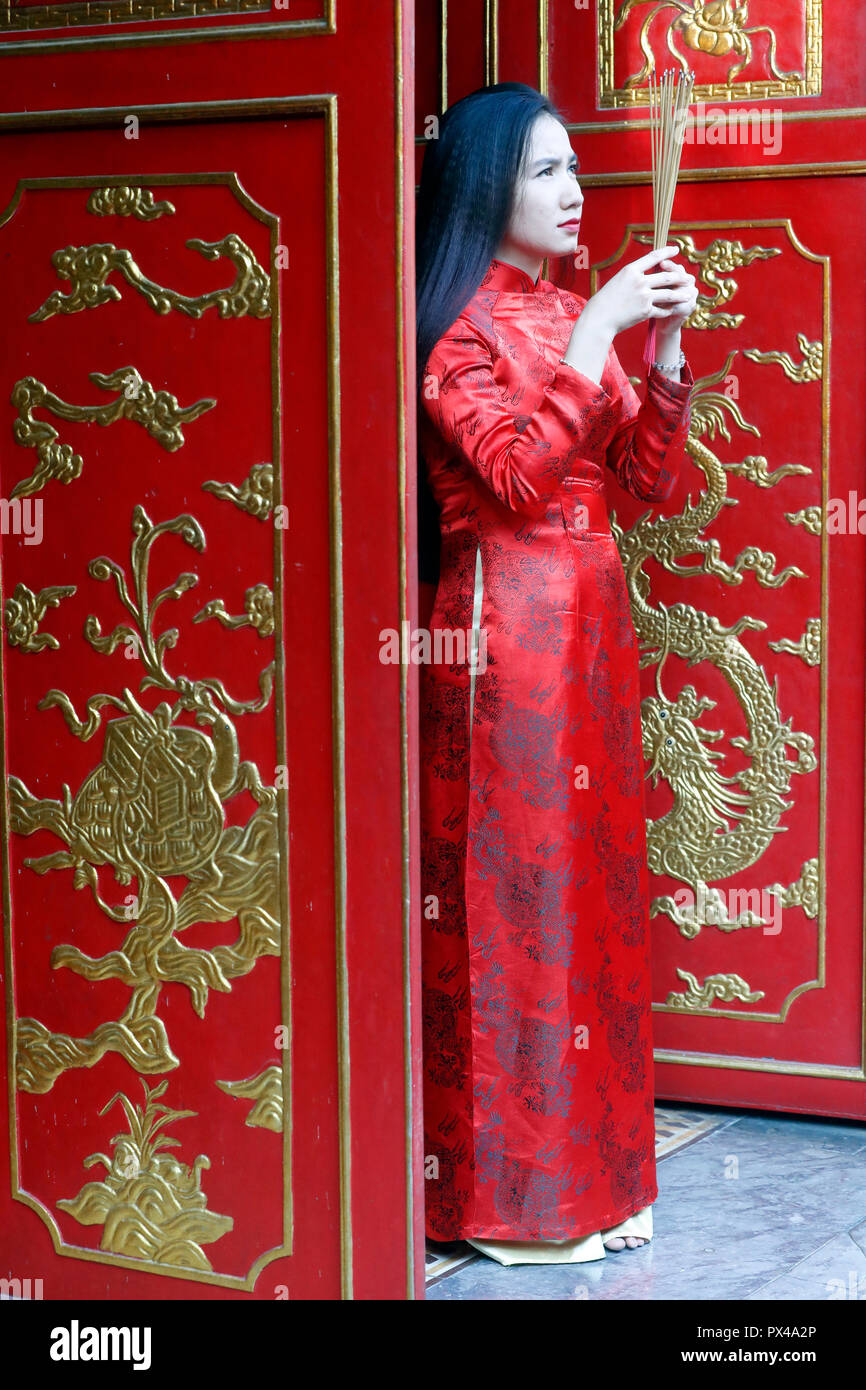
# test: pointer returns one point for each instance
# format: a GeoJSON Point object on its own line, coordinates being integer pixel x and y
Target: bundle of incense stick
{"type": "Point", "coordinates": [670, 98]}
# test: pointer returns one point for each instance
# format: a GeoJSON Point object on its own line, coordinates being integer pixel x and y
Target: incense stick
{"type": "Point", "coordinates": [670, 98]}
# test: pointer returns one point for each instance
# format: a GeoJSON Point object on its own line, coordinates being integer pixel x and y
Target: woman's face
{"type": "Point", "coordinates": [545, 220]}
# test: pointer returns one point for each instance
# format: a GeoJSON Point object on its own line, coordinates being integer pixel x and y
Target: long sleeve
{"type": "Point", "coordinates": [649, 431]}
{"type": "Point", "coordinates": [521, 458]}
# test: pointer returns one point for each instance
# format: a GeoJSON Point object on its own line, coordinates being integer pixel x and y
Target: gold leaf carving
{"type": "Point", "coordinates": [718, 824]}
{"type": "Point", "coordinates": [708, 412]}
{"type": "Point", "coordinates": [255, 494]}
{"type": "Point", "coordinates": [123, 200]}
{"type": "Point", "coordinates": [709, 910]}
{"type": "Point", "coordinates": [157, 411]}
{"type": "Point", "coordinates": [715, 28]}
{"type": "Point", "coordinates": [804, 893]}
{"type": "Point", "coordinates": [88, 268]}
{"type": "Point", "coordinates": [717, 262]}
{"type": "Point", "coordinates": [808, 517]}
{"type": "Point", "coordinates": [266, 1090]}
{"type": "Point", "coordinates": [810, 369]}
{"type": "Point", "coordinates": [41, 1055]}
{"type": "Point", "coordinates": [724, 988]}
{"type": "Point", "coordinates": [153, 808]}
{"type": "Point", "coordinates": [150, 1205]}
{"type": "Point", "coordinates": [756, 470]}
{"type": "Point", "coordinates": [808, 647]}
{"type": "Point", "coordinates": [258, 611]}
{"type": "Point", "coordinates": [24, 611]}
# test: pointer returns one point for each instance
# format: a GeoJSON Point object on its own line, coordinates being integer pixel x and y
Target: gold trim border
{"type": "Point", "coordinates": [293, 28]}
{"type": "Point", "coordinates": [491, 42]}
{"type": "Point", "coordinates": [728, 1062]}
{"type": "Point", "coordinates": [443, 57]}
{"type": "Point", "coordinates": [808, 169]}
{"type": "Point", "coordinates": [768, 89]}
{"type": "Point", "coordinates": [543, 47]}
{"type": "Point", "coordinates": [642, 122]}
{"type": "Point", "coordinates": [29, 18]}
{"type": "Point", "coordinates": [403, 377]}
{"type": "Point", "coordinates": [325, 105]}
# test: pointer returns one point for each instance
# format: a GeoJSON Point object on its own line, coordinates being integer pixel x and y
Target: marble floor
{"type": "Point", "coordinates": [752, 1205]}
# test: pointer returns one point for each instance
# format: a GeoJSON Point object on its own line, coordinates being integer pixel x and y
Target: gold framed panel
{"type": "Point", "coordinates": [41, 18]}
{"type": "Point", "coordinates": [785, 224]}
{"type": "Point", "coordinates": [325, 107]}
{"type": "Point", "coordinates": [609, 95]}
{"type": "Point", "coordinates": [721, 1060]}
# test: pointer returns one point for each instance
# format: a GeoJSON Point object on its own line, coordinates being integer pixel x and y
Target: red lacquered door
{"type": "Point", "coordinates": [747, 585]}
{"type": "Point", "coordinates": [208, 853]}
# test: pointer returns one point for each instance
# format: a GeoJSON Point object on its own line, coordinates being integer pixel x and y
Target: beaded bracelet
{"type": "Point", "coordinates": [672, 366]}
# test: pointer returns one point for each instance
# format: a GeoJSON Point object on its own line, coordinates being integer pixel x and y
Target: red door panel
{"type": "Point", "coordinates": [209, 946]}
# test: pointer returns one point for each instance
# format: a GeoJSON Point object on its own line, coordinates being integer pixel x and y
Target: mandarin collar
{"type": "Point", "coordinates": [503, 276]}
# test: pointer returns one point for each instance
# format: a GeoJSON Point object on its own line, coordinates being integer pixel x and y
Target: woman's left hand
{"type": "Point", "coordinates": [684, 298]}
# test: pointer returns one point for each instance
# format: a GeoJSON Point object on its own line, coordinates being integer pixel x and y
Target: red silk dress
{"type": "Point", "coordinates": [538, 1068]}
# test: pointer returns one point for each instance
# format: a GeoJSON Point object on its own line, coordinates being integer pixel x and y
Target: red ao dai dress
{"type": "Point", "coordinates": [534, 875]}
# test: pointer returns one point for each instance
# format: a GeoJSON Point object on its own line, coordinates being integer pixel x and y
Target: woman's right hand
{"type": "Point", "coordinates": [638, 292]}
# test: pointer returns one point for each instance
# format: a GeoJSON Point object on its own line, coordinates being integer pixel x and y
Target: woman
{"type": "Point", "coordinates": [539, 1126]}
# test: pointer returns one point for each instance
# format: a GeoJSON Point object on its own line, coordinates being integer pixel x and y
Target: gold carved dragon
{"type": "Point", "coordinates": [718, 825]}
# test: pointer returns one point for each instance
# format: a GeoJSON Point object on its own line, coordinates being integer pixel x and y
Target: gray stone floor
{"type": "Point", "coordinates": [764, 1207]}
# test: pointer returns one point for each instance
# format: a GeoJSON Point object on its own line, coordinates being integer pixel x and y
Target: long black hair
{"type": "Point", "coordinates": [465, 200]}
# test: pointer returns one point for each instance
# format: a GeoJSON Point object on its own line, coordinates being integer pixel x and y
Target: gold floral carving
{"type": "Point", "coordinates": [804, 893]}
{"type": "Point", "coordinates": [156, 410]}
{"type": "Point", "coordinates": [258, 611]}
{"type": "Point", "coordinates": [88, 268]}
{"type": "Point", "coordinates": [266, 1090]}
{"type": "Point", "coordinates": [724, 988]}
{"type": "Point", "coordinates": [811, 367]}
{"type": "Point", "coordinates": [808, 647]}
{"type": "Point", "coordinates": [153, 808]}
{"type": "Point", "coordinates": [150, 1206]}
{"type": "Point", "coordinates": [23, 612]}
{"type": "Point", "coordinates": [255, 494]}
{"type": "Point", "coordinates": [125, 200]}
{"type": "Point", "coordinates": [716, 261]}
{"type": "Point", "coordinates": [717, 29]}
